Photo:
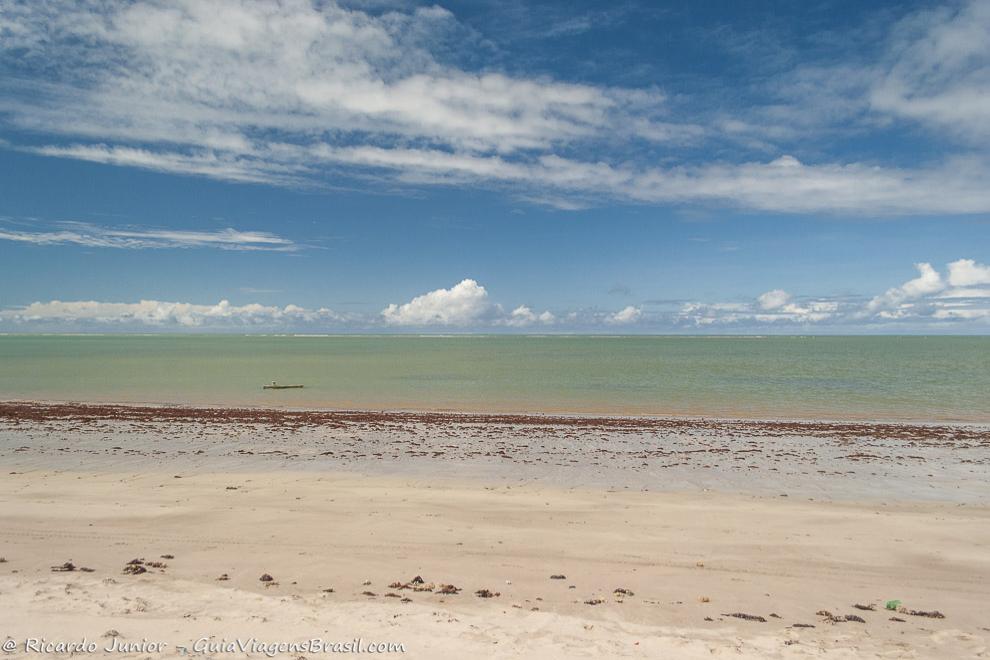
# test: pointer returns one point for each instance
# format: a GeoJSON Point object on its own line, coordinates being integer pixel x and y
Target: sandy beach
{"type": "Point", "coordinates": [210, 501]}
{"type": "Point", "coordinates": [485, 329]}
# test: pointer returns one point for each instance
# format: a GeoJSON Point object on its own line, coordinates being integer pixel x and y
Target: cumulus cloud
{"type": "Point", "coordinates": [464, 304]}
{"type": "Point", "coordinates": [966, 272]}
{"type": "Point", "coordinates": [162, 314]}
{"type": "Point", "coordinates": [89, 235]}
{"type": "Point", "coordinates": [299, 93]}
{"type": "Point", "coordinates": [629, 314]}
{"type": "Point", "coordinates": [773, 299]}
{"type": "Point", "coordinates": [928, 281]}
{"type": "Point", "coordinates": [523, 316]}
{"type": "Point", "coordinates": [925, 299]}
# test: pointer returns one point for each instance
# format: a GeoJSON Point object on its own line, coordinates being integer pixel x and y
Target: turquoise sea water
{"type": "Point", "coordinates": [912, 378]}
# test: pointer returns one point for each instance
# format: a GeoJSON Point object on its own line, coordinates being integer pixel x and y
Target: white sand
{"type": "Point", "coordinates": [760, 556]}
{"type": "Point", "coordinates": [691, 520]}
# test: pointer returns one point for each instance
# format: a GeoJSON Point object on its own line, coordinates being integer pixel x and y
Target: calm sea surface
{"type": "Point", "coordinates": [912, 378]}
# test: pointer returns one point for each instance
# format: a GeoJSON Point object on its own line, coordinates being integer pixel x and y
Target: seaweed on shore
{"type": "Point", "coordinates": [746, 617]}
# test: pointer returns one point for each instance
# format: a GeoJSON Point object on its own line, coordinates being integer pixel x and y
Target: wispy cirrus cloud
{"type": "Point", "coordinates": [89, 235]}
{"type": "Point", "coordinates": [239, 167]}
{"type": "Point", "coordinates": [301, 93]}
{"type": "Point", "coordinates": [937, 70]}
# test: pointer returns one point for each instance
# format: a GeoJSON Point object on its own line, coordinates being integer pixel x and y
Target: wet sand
{"type": "Point", "coordinates": [698, 519]}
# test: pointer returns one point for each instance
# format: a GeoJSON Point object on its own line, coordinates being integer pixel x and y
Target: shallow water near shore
{"type": "Point", "coordinates": [876, 378]}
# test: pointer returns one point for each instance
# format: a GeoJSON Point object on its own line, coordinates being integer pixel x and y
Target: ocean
{"type": "Point", "coordinates": [869, 378]}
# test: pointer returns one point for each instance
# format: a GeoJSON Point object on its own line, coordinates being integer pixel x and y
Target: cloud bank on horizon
{"type": "Point", "coordinates": [962, 295]}
{"type": "Point", "coordinates": [304, 94]}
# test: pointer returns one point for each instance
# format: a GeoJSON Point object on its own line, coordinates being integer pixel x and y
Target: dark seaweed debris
{"type": "Point", "coordinates": [746, 617]}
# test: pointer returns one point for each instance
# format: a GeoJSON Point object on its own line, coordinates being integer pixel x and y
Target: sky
{"type": "Point", "coordinates": [536, 167]}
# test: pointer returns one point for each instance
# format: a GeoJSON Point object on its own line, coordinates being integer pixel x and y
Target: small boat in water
{"type": "Point", "coordinates": [276, 386]}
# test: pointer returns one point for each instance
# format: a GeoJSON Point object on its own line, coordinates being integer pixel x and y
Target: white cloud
{"type": "Point", "coordinates": [780, 311]}
{"type": "Point", "coordinates": [625, 316]}
{"type": "Point", "coordinates": [966, 272]}
{"type": "Point", "coordinates": [929, 281]}
{"type": "Point", "coordinates": [924, 302]}
{"type": "Point", "coordinates": [773, 299]}
{"type": "Point", "coordinates": [209, 74]}
{"type": "Point", "coordinates": [299, 93]}
{"type": "Point", "coordinates": [965, 293]}
{"type": "Point", "coordinates": [930, 68]}
{"type": "Point", "coordinates": [784, 184]}
{"type": "Point", "coordinates": [523, 316]}
{"type": "Point", "coordinates": [159, 313]}
{"type": "Point", "coordinates": [463, 304]}
{"type": "Point", "coordinates": [938, 69]}
{"type": "Point", "coordinates": [919, 301]}
{"type": "Point", "coordinates": [212, 163]}
{"type": "Point", "coordinates": [964, 314]}
{"type": "Point", "coordinates": [135, 239]}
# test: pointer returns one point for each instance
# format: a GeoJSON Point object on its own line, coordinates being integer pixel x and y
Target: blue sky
{"type": "Point", "coordinates": [512, 167]}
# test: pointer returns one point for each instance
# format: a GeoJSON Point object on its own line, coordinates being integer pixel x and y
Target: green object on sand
{"type": "Point", "coordinates": [892, 604]}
